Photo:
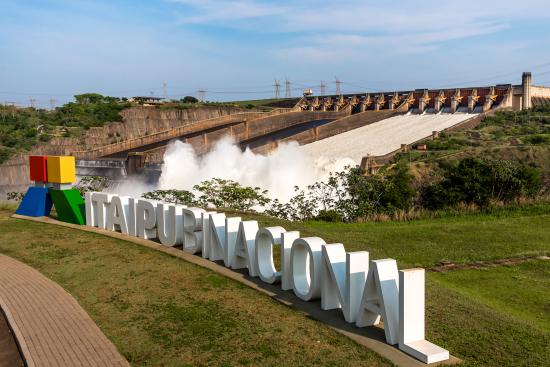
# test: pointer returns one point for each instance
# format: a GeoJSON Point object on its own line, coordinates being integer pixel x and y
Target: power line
{"type": "Point", "coordinates": [288, 93]}
{"type": "Point", "coordinates": [201, 93]}
{"type": "Point", "coordinates": [338, 86]}
{"type": "Point", "coordinates": [277, 86]}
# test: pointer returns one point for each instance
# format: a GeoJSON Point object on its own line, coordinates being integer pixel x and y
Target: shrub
{"type": "Point", "coordinates": [329, 216]}
{"type": "Point", "coordinates": [478, 181]}
{"type": "Point", "coordinates": [348, 195]}
{"type": "Point", "coordinates": [15, 196]}
{"type": "Point", "coordinates": [537, 139]}
{"type": "Point", "coordinates": [91, 183]}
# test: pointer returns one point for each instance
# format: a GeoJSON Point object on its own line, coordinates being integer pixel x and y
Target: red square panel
{"type": "Point", "coordinates": [39, 172]}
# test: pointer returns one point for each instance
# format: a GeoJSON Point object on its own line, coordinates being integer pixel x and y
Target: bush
{"type": "Point", "coordinates": [478, 181]}
{"type": "Point", "coordinates": [446, 144]}
{"type": "Point", "coordinates": [15, 196]}
{"type": "Point", "coordinates": [349, 195]}
{"type": "Point", "coordinates": [537, 139]}
{"type": "Point", "coordinates": [91, 184]}
{"type": "Point", "coordinates": [329, 216]}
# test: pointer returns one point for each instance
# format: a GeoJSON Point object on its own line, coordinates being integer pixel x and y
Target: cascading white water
{"type": "Point", "coordinates": [277, 172]}
{"type": "Point", "coordinates": [290, 165]}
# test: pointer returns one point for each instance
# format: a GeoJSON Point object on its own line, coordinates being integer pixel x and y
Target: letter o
{"type": "Point", "coordinates": [305, 267]}
{"type": "Point", "coordinates": [265, 239]}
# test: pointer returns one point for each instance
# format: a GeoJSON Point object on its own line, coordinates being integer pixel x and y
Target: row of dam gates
{"type": "Point", "coordinates": [372, 127]}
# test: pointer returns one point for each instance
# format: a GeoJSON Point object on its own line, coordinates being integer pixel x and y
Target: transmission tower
{"type": "Point", "coordinates": [322, 87]}
{"type": "Point", "coordinates": [201, 93]}
{"type": "Point", "coordinates": [338, 86]}
{"type": "Point", "coordinates": [164, 90]}
{"type": "Point", "coordinates": [288, 93]}
{"type": "Point", "coordinates": [277, 86]}
{"type": "Point", "coordinates": [52, 103]}
{"type": "Point", "coordinates": [33, 102]}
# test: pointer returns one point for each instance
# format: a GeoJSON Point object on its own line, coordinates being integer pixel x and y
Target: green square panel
{"type": "Point", "coordinates": [69, 206]}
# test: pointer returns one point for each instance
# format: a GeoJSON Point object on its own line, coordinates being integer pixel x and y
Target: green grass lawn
{"type": "Point", "coordinates": [160, 310]}
{"type": "Point", "coordinates": [424, 243]}
{"type": "Point", "coordinates": [521, 290]}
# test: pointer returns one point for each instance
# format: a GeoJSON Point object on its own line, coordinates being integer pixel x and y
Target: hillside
{"type": "Point", "coordinates": [94, 120]}
{"type": "Point", "coordinates": [518, 136]}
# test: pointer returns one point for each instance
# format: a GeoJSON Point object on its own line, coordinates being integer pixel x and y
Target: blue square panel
{"type": "Point", "coordinates": [36, 203]}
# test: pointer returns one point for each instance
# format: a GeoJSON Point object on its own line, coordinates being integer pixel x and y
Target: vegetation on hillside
{"type": "Point", "coordinates": [522, 137]}
{"type": "Point", "coordinates": [23, 128]}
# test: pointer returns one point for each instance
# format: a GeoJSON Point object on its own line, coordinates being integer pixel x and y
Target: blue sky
{"type": "Point", "coordinates": [235, 49]}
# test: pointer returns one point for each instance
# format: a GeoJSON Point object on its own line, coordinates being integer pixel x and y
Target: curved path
{"type": "Point", "coordinates": [50, 326]}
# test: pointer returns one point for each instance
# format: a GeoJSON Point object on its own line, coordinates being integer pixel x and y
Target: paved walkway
{"type": "Point", "coordinates": [50, 326]}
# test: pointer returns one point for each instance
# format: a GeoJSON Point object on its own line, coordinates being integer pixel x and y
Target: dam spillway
{"type": "Point", "coordinates": [383, 137]}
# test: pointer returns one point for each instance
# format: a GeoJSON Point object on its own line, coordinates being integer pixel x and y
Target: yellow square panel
{"type": "Point", "coordinates": [61, 169]}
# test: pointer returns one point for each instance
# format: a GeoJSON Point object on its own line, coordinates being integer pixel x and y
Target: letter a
{"type": "Point", "coordinates": [381, 298]}
{"type": "Point", "coordinates": [245, 247]}
{"type": "Point", "coordinates": [344, 276]}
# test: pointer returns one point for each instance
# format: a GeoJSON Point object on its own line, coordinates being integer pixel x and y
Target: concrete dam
{"type": "Point", "coordinates": [368, 128]}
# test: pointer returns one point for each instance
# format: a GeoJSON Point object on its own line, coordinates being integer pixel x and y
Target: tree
{"type": "Point", "coordinates": [189, 99]}
{"type": "Point", "coordinates": [86, 98]}
{"type": "Point", "coordinates": [220, 193]}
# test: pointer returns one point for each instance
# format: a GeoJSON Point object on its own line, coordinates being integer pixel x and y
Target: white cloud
{"type": "Point", "coordinates": [214, 12]}
{"type": "Point", "coordinates": [319, 30]}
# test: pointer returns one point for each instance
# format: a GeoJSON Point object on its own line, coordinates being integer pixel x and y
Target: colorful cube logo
{"type": "Point", "coordinates": [53, 171]}
{"type": "Point", "coordinates": [61, 169]}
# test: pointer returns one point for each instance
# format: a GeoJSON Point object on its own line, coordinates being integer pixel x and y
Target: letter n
{"type": "Point", "coordinates": [344, 276]}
